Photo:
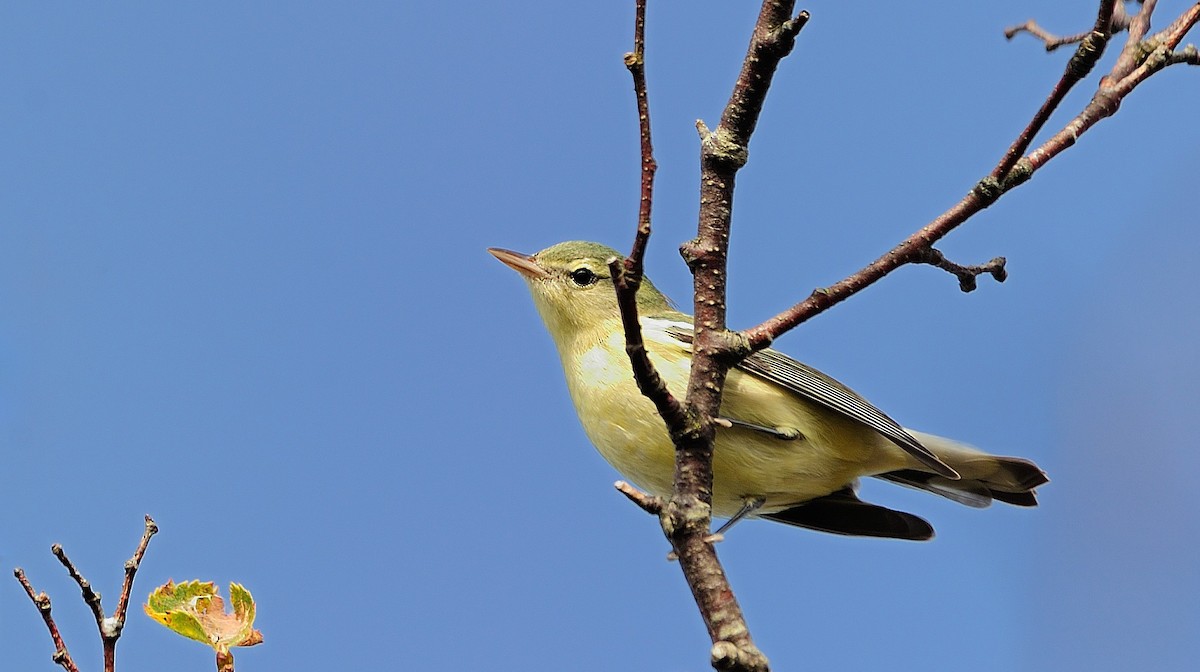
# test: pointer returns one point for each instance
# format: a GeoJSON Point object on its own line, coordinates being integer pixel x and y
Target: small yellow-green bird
{"type": "Point", "coordinates": [791, 442]}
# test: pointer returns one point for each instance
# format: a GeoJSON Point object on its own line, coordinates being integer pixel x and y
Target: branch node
{"type": "Point", "coordinates": [1051, 41]}
{"type": "Point", "coordinates": [792, 27]}
{"type": "Point", "coordinates": [728, 656]}
{"type": "Point", "coordinates": [648, 503]}
{"type": "Point", "coordinates": [1187, 56]}
{"type": "Point", "coordinates": [966, 274]}
{"type": "Point", "coordinates": [1085, 57]}
{"type": "Point", "coordinates": [988, 190]}
{"type": "Point", "coordinates": [90, 596]}
{"type": "Point", "coordinates": [42, 601]}
{"type": "Point", "coordinates": [723, 148]}
{"type": "Point", "coordinates": [1018, 175]}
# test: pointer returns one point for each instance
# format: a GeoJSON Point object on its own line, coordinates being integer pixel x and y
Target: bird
{"type": "Point", "coordinates": [791, 442]}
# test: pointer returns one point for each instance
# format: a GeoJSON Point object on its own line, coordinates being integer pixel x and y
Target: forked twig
{"type": "Point", "coordinates": [110, 627]}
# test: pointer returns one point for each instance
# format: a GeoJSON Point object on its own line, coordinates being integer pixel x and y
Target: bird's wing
{"type": "Point", "coordinates": [778, 368]}
{"type": "Point", "coordinates": [844, 513]}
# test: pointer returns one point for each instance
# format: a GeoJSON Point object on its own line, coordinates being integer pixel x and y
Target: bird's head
{"type": "Point", "coordinates": [572, 286]}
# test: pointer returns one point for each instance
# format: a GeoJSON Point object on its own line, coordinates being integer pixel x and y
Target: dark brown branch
{"type": "Point", "coordinates": [110, 627]}
{"type": "Point", "coordinates": [984, 194]}
{"type": "Point", "coordinates": [635, 61]}
{"type": "Point", "coordinates": [627, 274]}
{"type": "Point", "coordinates": [687, 518]}
{"type": "Point", "coordinates": [1113, 89]}
{"type": "Point", "coordinates": [42, 602]}
{"type": "Point", "coordinates": [1091, 48]}
{"type": "Point", "coordinates": [1120, 21]}
{"type": "Point", "coordinates": [1115, 86]}
{"type": "Point", "coordinates": [131, 567]}
{"type": "Point", "coordinates": [90, 597]}
{"type": "Point", "coordinates": [966, 274]}
{"type": "Point", "coordinates": [648, 381]}
{"type": "Point", "coordinates": [1052, 41]}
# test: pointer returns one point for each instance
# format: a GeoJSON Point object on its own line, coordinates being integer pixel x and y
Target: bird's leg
{"type": "Point", "coordinates": [749, 506]}
{"type": "Point", "coordinates": [781, 433]}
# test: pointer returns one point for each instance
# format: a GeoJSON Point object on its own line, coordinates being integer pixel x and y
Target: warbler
{"type": "Point", "coordinates": [791, 442]}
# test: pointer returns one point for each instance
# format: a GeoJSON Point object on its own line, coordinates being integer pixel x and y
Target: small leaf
{"type": "Point", "coordinates": [195, 610]}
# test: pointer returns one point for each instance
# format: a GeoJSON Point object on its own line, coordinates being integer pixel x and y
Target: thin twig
{"type": "Point", "coordinates": [1091, 48]}
{"type": "Point", "coordinates": [635, 62]}
{"type": "Point", "coordinates": [648, 503]}
{"type": "Point", "coordinates": [90, 596]}
{"type": "Point", "coordinates": [686, 516]}
{"type": "Point", "coordinates": [42, 602]}
{"type": "Point", "coordinates": [1133, 51]}
{"type": "Point", "coordinates": [1107, 100]}
{"type": "Point", "coordinates": [1051, 40]}
{"type": "Point", "coordinates": [1113, 90]}
{"type": "Point", "coordinates": [648, 381]}
{"type": "Point", "coordinates": [1120, 22]}
{"type": "Point", "coordinates": [966, 274]}
{"type": "Point", "coordinates": [131, 567]}
{"type": "Point", "coordinates": [1186, 56]}
{"type": "Point", "coordinates": [110, 627]}
{"type": "Point", "coordinates": [627, 274]}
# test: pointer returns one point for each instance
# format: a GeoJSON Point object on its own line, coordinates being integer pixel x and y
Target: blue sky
{"type": "Point", "coordinates": [243, 288]}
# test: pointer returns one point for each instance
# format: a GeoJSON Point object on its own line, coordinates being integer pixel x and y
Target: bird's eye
{"type": "Point", "coordinates": [583, 277]}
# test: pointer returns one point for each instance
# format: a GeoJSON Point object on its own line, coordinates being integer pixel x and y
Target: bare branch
{"type": "Point", "coordinates": [648, 503]}
{"type": "Point", "coordinates": [1115, 87]}
{"type": "Point", "coordinates": [110, 627]}
{"type": "Point", "coordinates": [1187, 56]}
{"type": "Point", "coordinates": [42, 602]}
{"type": "Point", "coordinates": [90, 597]}
{"type": "Point", "coordinates": [131, 567]}
{"type": "Point", "coordinates": [1051, 40]}
{"type": "Point", "coordinates": [1134, 50]}
{"type": "Point", "coordinates": [1091, 48]}
{"type": "Point", "coordinates": [1158, 52]}
{"type": "Point", "coordinates": [1116, 20]}
{"type": "Point", "coordinates": [627, 274]}
{"type": "Point", "coordinates": [635, 61]}
{"type": "Point", "coordinates": [648, 381]}
{"type": "Point", "coordinates": [687, 518]}
{"type": "Point", "coordinates": [966, 274]}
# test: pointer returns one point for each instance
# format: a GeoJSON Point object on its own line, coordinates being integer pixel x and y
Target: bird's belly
{"type": "Point", "coordinates": [626, 429]}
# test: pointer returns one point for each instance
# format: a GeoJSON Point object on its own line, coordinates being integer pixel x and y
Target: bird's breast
{"type": "Point", "coordinates": [628, 432]}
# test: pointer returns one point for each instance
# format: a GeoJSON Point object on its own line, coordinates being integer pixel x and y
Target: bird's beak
{"type": "Point", "coordinates": [521, 263]}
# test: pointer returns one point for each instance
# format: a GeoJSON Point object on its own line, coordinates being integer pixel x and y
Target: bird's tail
{"type": "Point", "coordinates": [984, 477]}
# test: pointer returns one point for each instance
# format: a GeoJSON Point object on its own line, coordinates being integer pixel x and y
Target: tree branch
{"type": "Point", "coordinates": [966, 274]}
{"type": "Point", "coordinates": [1120, 22]}
{"type": "Point", "coordinates": [1091, 48]}
{"type": "Point", "coordinates": [687, 519]}
{"type": "Point", "coordinates": [110, 627]}
{"type": "Point", "coordinates": [1158, 53]}
{"type": "Point", "coordinates": [686, 515]}
{"type": "Point", "coordinates": [42, 602]}
{"type": "Point", "coordinates": [627, 274]}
